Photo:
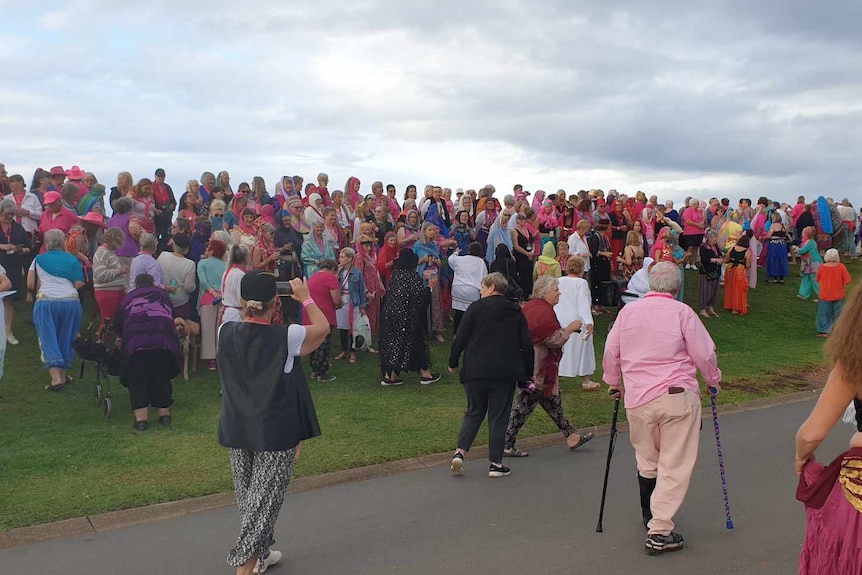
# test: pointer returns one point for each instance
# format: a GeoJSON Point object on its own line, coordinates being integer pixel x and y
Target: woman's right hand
{"type": "Point", "coordinates": [300, 289]}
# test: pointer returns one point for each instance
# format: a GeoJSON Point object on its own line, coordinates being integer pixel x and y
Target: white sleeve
{"type": "Point", "coordinates": [584, 301]}
{"type": "Point", "coordinates": [295, 337]}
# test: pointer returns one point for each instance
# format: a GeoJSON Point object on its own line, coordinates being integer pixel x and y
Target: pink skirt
{"type": "Point", "coordinates": [833, 533]}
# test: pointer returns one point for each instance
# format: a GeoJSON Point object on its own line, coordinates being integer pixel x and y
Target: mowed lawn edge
{"type": "Point", "coordinates": [62, 458]}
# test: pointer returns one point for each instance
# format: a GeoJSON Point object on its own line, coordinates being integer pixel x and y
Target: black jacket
{"type": "Point", "coordinates": [495, 340]}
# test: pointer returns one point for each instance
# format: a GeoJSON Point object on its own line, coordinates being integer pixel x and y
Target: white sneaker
{"type": "Point", "coordinates": [271, 559]}
{"type": "Point", "coordinates": [12, 340]}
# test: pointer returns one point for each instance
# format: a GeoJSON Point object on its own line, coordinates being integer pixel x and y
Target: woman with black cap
{"type": "Point", "coordinates": [403, 323]}
{"type": "Point", "coordinates": [267, 409]}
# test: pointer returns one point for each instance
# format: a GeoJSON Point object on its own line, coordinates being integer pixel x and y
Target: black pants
{"type": "Point", "coordinates": [457, 314]}
{"type": "Point", "coordinates": [495, 399]}
{"type": "Point", "coordinates": [346, 341]}
{"type": "Point", "coordinates": [149, 378]}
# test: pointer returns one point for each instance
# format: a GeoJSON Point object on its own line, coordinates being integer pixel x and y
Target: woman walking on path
{"type": "Point", "coordinates": [833, 278]}
{"type": "Point", "coordinates": [579, 357]}
{"type": "Point", "coordinates": [267, 410]}
{"type": "Point", "coordinates": [548, 339]}
{"type": "Point", "coordinates": [498, 353]}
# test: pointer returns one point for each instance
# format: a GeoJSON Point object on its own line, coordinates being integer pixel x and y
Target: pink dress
{"type": "Point", "coordinates": [833, 533]}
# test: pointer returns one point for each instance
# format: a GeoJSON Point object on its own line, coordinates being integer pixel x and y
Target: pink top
{"type": "Point", "coordinates": [664, 345]}
{"type": "Point", "coordinates": [62, 221]}
{"type": "Point", "coordinates": [692, 215]}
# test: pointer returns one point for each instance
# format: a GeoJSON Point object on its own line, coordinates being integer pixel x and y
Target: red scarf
{"type": "Point", "coordinates": [542, 323]}
{"type": "Point", "coordinates": [160, 191]}
{"type": "Point", "coordinates": [268, 250]}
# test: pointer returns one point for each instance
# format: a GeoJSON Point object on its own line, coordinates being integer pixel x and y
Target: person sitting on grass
{"type": "Point", "coordinates": [832, 277]}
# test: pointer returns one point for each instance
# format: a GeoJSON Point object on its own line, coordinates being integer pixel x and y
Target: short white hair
{"type": "Point", "coordinates": [664, 277]}
{"type": "Point", "coordinates": [832, 255]}
{"type": "Point", "coordinates": [55, 239]}
{"type": "Point", "coordinates": [694, 203]}
{"type": "Point", "coordinates": [668, 204]}
{"type": "Point", "coordinates": [543, 285]}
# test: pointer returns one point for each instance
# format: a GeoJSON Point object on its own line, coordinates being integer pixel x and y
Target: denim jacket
{"type": "Point", "coordinates": [355, 285]}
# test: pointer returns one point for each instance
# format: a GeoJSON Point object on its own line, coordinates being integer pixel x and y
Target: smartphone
{"type": "Point", "coordinates": [284, 288]}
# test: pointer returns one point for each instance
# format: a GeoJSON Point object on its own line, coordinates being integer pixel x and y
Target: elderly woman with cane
{"type": "Point", "coordinates": [662, 397]}
{"type": "Point", "coordinates": [548, 338]}
{"type": "Point", "coordinates": [267, 410]}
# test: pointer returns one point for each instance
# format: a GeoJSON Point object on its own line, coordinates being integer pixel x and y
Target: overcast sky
{"type": "Point", "coordinates": [737, 97]}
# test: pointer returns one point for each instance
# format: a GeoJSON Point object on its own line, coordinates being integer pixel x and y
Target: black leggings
{"type": "Point", "coordinates": [346, 341]}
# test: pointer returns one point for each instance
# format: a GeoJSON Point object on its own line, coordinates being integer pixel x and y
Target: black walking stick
{"type": "Point", "coordinates": [611, 446]}
{"type": "Point", "coordinates": [712, 392]}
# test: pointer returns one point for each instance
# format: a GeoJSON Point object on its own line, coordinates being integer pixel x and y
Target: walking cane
{"type": "Point", "coordinates": [712, 392]}
{"type": "Point", "coordinates": [611, 446]}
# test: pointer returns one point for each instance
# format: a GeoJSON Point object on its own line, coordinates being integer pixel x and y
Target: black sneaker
{"type": "Point", "coordinates": [165, 420]}
{"type": "Point", "coordinates": [495, 471]}
{"type": "Point", "coordinates": [457, 466]}
{"type": "Point", "coordinates": [326, 377]}
{"type": "Point", "coordinates": [657, 544]}
{"type": "Point", "coordinates": [426, 380]}
{"type": "Point", "coordinates": [141, 425]}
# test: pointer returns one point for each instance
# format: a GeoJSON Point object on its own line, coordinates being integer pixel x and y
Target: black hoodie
{"type": "Point", "coordinates": [495, 340]}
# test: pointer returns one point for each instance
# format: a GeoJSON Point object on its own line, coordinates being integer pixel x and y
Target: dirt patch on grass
{"type": "Point", "coordinates": [782, 381]}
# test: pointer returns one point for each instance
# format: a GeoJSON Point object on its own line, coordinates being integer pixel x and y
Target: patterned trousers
{"type": "Point", "coordinates": [320, 357]}
{"type": "Point", "coordinates": [525, 405]}
{"type": "Point", "coordinates": [260, 479]}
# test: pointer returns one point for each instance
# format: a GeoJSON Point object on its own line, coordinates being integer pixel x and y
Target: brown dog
{"type": "Point", "coordinates": [189, 333]}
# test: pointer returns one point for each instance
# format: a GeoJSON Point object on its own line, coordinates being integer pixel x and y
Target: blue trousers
{"type": "Point", "coordinates": [827, 313]}
{"type": "Point", "coordinates": [57, 322]}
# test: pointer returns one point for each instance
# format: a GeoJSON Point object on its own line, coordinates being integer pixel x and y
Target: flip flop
{"type": "Point", "coordinates": [372, 351]}
{"type": "Point", "coordinates": [515, 453]}
{"type": "Point", "coordinates": [584, 438]}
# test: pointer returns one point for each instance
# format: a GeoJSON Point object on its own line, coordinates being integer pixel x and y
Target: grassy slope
{"type": "Point", "coordinates": [61, 458]}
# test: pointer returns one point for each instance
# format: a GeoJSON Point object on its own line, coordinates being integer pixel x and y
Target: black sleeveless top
{"type": "Point", "coordinates": [263, 408]}
{"type": "Point", "coordinates": [857, 403]}
{"type": "Point", "coordinates": [737, 258]}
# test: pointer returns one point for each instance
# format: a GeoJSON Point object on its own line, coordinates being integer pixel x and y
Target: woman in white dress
{"type": "Point", "coordinates": [579, 357]}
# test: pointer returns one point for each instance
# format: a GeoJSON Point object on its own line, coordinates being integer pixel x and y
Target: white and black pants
{"type": "Point", "coordinates": [260, 479]}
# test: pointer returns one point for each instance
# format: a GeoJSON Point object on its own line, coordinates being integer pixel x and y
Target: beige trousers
{"type": "Point", "coordinates": [209, 324]}
{"type": "Point", "coordinates": [665, 434]}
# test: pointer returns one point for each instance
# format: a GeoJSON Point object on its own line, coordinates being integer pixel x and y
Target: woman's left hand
{"type": "Point", "coordinates": [800, 463]}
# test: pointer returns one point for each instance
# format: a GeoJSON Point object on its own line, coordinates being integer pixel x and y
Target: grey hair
{"type": "Point", "coordinates": [221, 236]}
{"type": "Point", "coordinates": [69, 192]}
{"type": "Point", "coordinates": [92, 176]}
{"type": "Point", "coordinates": [664, 277]}
{"type": "Point", "coordinates": [520, 217]}
{"type": "Point", "coordinates": [8, 205]}
{"type": "Point", "coordinates": [668, 204]}
{"type": "Point", "coordinates": [148, 242]}
{"type": "Point", "coordinates": [832, 255]}
{"type": "Point", "coordinates": [545, 284]}
{"type": "Point", "coordinates": [508, 200]}
{"type": "Point", "coordinates": [123, 205]}
{"type": "Point", "coordinates": [497, 281]}
{"type": "Point", "coordinates": [322, 175]}
{"type": "Point", "coordinates": [349, 252]}
{"type": "Point", "coordinates": [693, 203]}
{"type": "Point", "coordinates": [267, 227]}
{"type": "Point", "coordinates": [55, 239]}
{"type": "Point", "coordinates": [709, 235]}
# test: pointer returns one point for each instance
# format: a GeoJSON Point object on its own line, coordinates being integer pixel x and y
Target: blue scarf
{"type": "Point", "coordinates": [61, 264]}
{"type": "Point", "coordinates": [825, 215]}
{"type": "Point", "coordinates": [422, 249]}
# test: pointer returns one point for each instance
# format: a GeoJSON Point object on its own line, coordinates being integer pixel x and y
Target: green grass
{"type": "Point", "coordinates": [61, 458]}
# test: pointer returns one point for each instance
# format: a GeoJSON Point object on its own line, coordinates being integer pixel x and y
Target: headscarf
{"type": "Point", "coordinates": [267, 213]}
{"type": "Point", "coordinates": [503, 262]}
{"type": "Point", "coordinates": [542, 323]}
{"type": "Point", "coordinates": [351, 191]}
{"type": "Point", "coordinates": [538, 198]}
{"type": "Point", "coordinates": [244, 227]}
{"type": "Point", "coordinates": [91, 200]}
{"type": "Point", "coordinates": [312, 214]}
{"type": "Point", "coordinates": [387, 254]}
{"type": "Point", "coordinates": [549, 257]}
{"type": "Point", "coordinates": [413, 229]}
{"type": "Point", "coordinates": [825, 215]}
{"type": "Point", "coordinates": [407, 260]}
{"type": "Point", "coordinates": [498, 232]}
{"type": "Point", "coordinates": [434, 216]}
{"type": "Point", "coordinates": [284, 235]}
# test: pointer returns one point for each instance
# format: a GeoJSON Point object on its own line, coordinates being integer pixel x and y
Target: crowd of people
{"type": "Point", "coordinates": [521, 274]}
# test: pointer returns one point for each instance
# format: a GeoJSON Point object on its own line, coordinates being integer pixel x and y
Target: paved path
{"type": "Point", "coordinates": [539, 520]}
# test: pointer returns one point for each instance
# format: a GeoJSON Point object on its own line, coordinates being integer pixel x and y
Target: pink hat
{"type": "Point", "coordinates": [58, 171]}
{"type": "Point", "coordinates": [94, 218]}
{"type": "Point", "coordinates": [75, 173]}
{"type": "Point", "coordinates": [51, 197]}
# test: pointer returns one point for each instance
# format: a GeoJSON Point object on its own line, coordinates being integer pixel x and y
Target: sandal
{"type": "Point", "coordinates": [584, 438]}
{"type": "Point", "coordinates": [341, 355]}
{"type": "Point", "coordinates": [55, 388]}
{"type": "Point", "coordinates": [372, 351]}
{"type": "Point", "coordinates": [515, 453]}
{"type": "Point", "coordinates": [591, 386]}
{"type": "Point", "coordinates": [352, 358]}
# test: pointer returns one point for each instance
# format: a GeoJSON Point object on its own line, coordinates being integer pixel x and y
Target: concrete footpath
{"type": "Point", "coordinates": [541, 519]}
